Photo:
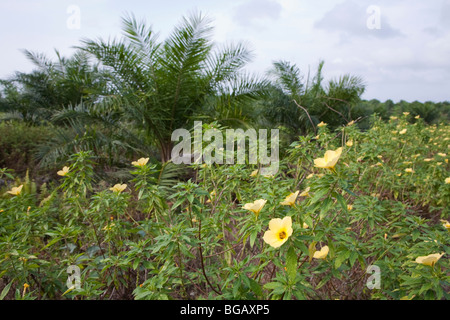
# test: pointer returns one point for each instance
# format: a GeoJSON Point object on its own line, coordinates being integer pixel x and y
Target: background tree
{"type": "Point", "coordinates": [299, 104]}
{"type": "Point", "coordinates": [158, 87]}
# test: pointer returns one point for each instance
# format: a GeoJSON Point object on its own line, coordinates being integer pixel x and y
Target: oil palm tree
{"type": "Point", "coordinates": [299, 104]}
{"type": "Point", "coordinates": [159, 86]}
{"type": "Point", "coordinates": [53, 85]}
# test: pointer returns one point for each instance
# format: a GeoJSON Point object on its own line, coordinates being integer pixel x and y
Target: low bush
{"type": "Point", "coordinates": [349, 215]}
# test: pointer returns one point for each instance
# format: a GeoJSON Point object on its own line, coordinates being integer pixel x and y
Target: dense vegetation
{"type": "Point", "coordinates": [87, 179]}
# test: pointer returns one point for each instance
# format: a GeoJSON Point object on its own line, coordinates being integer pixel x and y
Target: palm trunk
{"type": "Point", "coordinates": [166, 151]}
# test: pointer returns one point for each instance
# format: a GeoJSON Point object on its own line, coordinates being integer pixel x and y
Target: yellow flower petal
{"type": "Point", "coordinates": [305, 193]}
{"type": "Point", "coordinates": [16, 190]}
{"type": "Point", "coordinates": [329, 160]}
{"type": "Point", "coordinates": [140, 163]}
{"type": "Point", "coordinates": [279, 231]}
{"type": "Point", "coordinates": [255, 206]}
{"type": "Point", "coordinates": [290, 199]}
{"type": "Point", "coordinates": [429, 260]}
{"type": "Point", "coordinates": [322, 253]}
{"type": "Point", "coordinates": [63, 172]}
{"type": "Point", "coordinates": [118, 188]}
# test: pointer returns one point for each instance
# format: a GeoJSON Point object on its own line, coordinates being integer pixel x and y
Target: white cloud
{"type": "Point", "coordinates": [406, 59]}
{"type": "Point", "coordinates": [257, 13]}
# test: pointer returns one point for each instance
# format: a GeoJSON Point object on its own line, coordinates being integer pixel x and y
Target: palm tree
{"type": "Point", "coordinates": [299, 104]}
{"type": "Point", "coordinates": [161, 86]}
{"type": "Point", "coordinates": [52, 86]}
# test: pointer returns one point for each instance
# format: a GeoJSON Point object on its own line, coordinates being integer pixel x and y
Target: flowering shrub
{"type": "Point", "coordinates": [343, 203]}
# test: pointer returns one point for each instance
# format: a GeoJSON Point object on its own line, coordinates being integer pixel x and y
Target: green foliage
{"type": "Point", "coordinates": [136, 230]}
{"type": "Point", "coordinates": [196, 240]}
{"type": "Point", "coordinates": [300, 104]}
{"type": "Point", "coordinates": [430, 112]}
{"type": "Point", "coordinates": [19, 144]}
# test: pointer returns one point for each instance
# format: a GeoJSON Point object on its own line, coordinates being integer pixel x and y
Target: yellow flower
{"type": "Point", "coordinates": [349, 143]}
{"type": "Point", "coordinates": [140, 163]}
{"type": "Point", "coordinates": [16, 190]}
{"type": "Point", "coordinates": [393, 118]}
{"type": "Point", "coordinates": [410, 170]}
{"type": "Point", "coordinates": [417, 117]}
{"type": "Point", "coordinates": [310, 176]}
{"type": "Point", "coordinates": [351, 123]}
{"type": "Point", "coordinates": [118, 188]}
{"type": "Point", "coordinates": [447, 180]}
{"type": "Point", "coordinates": [211, 195]}
{"type": "Point", "coordinates": [349, 207]}
{"type": "Point", "coordinates": [255, 206]}
{"type": "Point", "coordinates": [329, 160]}
{"type": "Point", "coordinates": [305, 193]}
{"type": "Point", "coordinates": [405, 113]}
{"type": "Point", "coordinates": [254, 173]}
{"type": "Point", "coordinates": [446, 224]}
{"type": "Point", "coordinates": [279, 231]}
{"type": "Point", "coordinates": [317, 137]}
{"type": "Point", "coordinates": [441, 154]}
{"type": "Point", "coordinates": [429, 260]}
{"type": "Point", "coordinates": [63, 172]}
{"type": "Point", "coordinates": [322, 124]}
{"type": "Point", "coordinates": [290, 199]}
{"type": "Point", "coordinates": [403, 131]}
{"type": "Point", "coordinates": [305, 226]}
{"type": "Point", "coordinates": [322, 253]}
{"type": "Point", "coordinates": [428, 159]}
{"type": "Point", "coordinates": [25, 287]}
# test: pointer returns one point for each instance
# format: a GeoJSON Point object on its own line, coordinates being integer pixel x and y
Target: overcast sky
{"type": "Point", "coordinates": [400, 48]}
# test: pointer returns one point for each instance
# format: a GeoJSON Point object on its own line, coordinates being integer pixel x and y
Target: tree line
{"type": "Point", "coordinates": [125, 96]}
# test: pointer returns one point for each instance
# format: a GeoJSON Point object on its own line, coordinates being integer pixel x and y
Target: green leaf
{"type": "Point", "coordinates": [311, 250]}
{"type": "Point", "coordinates": [341, 201]}
{"type": "Point", "coordinates": [341, 258]}
{"type": "Point", "coordinates": [272, 285]}
{"type": "Point", "coordinates": [255, 287]}
{"type": "Point", "coordinates": [253, 238]}
{"type": "Point", "coordinates": [291, 264]}
{"type": "Point", "coordinates": [318, 195]}
{"type": "Point", "coordinates": [324, 281]}
{"type": "Point", "coordinates": [5, 290]}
